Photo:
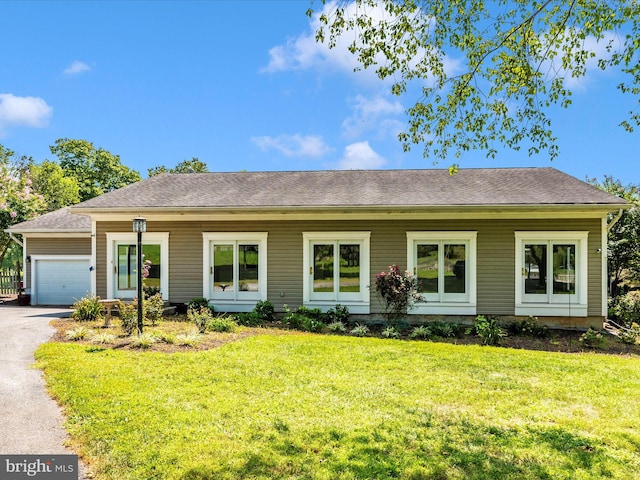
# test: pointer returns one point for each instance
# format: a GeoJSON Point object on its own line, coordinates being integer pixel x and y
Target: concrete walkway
{"type": "Point", "coordinates": [30, 421]}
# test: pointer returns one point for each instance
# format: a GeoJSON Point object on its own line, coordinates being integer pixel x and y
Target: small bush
{"type": "Point", "coordinates": [221, 323]}
{"type": "Point", "coordinates": [445, 329]}
{"type": "Point", "coordinates": [200, 318]}
{"type": "Point", "coordinates": [390, 331]}
{"type": "Point", "coordinates": [488, 330]}
{"type": "Point", "coordinates": [359, 330]}
{"type": "Point", "coordinates": [79, 333]}
{"type": "Point", "coordinates": [249, 319]}
{"type": "Point", "coordinates": [528, 327]}
{"type": "Point", "coordinates": [626, 308]}
{"type": "Point", "coordinates": [421, 332]}
{"type": "Point", "coordinates": [337, 327]}
{"type": "Point", "coordinates": [198, 303]}
{"type": "Point", "coordinates": [165, 337]}
{"type": "Point", "coordinates": [87, 309]}
{"type": "Point", "coordinates": [311, 324]}
{"type": "Point", "coordinates": [143, 341]}
{"type": "Point", "coordinates": [339, 313]}
{"type": "Point", "coordinates": [153, 308]}
{"type": "Point", "coordinates": [630, 335]}
{"type": "Point", "coordinates": [265, 311]}
{"type": "Point", "coordinates": [128, 313]}
{"type": "Point", "coordinates": [190, 339]}
{"type": "Point", "coordinates": [398, 291]}
{"type": "Point", "coordinates": [593, 339]}
{"type": "Point", "coordinates": [103, 338]}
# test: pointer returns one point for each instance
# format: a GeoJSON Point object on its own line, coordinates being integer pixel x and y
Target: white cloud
{"type": "Point", "coordinates": [360, 156]}
{"type": "Point", "coordinates": [370, 113]}
{"type": "Point", "coordinates": [294, 145]}
{"type": "Point", "coordinates": [23, 111]}
{"type": "Point", "coordinates": [76, 68]}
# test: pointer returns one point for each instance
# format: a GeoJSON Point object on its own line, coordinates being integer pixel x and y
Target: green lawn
{"type": "Point", "coordinates": [326, 407]}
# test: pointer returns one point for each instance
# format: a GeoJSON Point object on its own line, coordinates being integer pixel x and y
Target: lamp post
{"type": "Point", "coordinates": [139, 226]}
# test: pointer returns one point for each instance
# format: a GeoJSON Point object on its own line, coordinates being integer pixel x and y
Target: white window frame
{"type": "Point", "coordinates": [155, 238]}
{"type": "Point", "coordinates": [235, 301]}
{"type": "Point", "coordinates": [357, 303]}
{"type": "Point", "coordinates": [553, 305]}
{"type": "Point", "coordinates": [442, 303]}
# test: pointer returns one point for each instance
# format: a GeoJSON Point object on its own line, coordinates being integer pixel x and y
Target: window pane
{"type": "Point", "coordinates": [323, 268]}
{"type": "Point", "coordinates": [535, 269]}
{"type": "Point", "coordinates": [248, 268]}
{"type": "Point", "coordinates": [349, 268]}
{"type": "Point", "coordinates": [427, 271]}
{"type": "Point", "coordinates": [151, 253]}
{"type": "Point", "coordinates": [127, 267]}
{"type": "Point", "coordinates": [454, 268]}
{"type": "Point", "coordinates": [223, 268]}
{"type": "Point", "coordinates": [564, 269]}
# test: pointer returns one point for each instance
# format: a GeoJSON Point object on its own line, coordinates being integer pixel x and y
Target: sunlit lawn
{"type": "Point", "coordinates": [325, 407]}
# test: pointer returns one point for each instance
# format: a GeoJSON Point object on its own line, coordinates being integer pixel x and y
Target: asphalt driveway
{"type": "Point", "coordinates": [30, 421]}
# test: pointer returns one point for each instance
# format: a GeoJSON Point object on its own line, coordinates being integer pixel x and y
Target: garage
{"type": "Point", "coordinates": [60, 280]}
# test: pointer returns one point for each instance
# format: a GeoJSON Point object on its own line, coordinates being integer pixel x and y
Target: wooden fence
{"type": "Point", "coordinates": [9, 282]}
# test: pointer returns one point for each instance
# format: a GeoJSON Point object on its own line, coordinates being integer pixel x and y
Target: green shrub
{"type": "Point", "coordinates": [198, 303]}
{"type": "Point", "coordinates": [592, 338]}
{"type": "Point", "coordinates": [200, 318]}
{"type": "Point", "coordinates": [337, 327]}
{"type": "Point", "coordinates": [153, 308]}
{"type": "Point", "coordinates": [445, 329]}
{"type": "Point", "coordinates": [143, 341]}
{"type": "Point", "coordinates": [103, 338]}
{"type": "Point", "coordinates": [339, 313]}
{"type": "Point", "coordinates": [165, 337]}
{"type": "Point", "coordinates": [398, 291]}
{"type": "Point", "coordinates": [488, 330]}
{"type": "Point", "coordinates": [422, 331]}
{"type": "Point", "coordinates": [390, 331]}
{"type": "Point", "coordinates": [265, 311]}
{"type": "Point", "coordinates": [190, 339]}
{"type": "Point", "coordinates": [87, 309]}
{"type": "Point", "coordinates": [626, 308]}
{"type": "Point", "coordinates": [359, 330]}
{"type": "Point", "coordinates": [312, 324]}
{"type": "Point", "coordinates": [128, 313]}
{"type": "Point", "coordinates": [222, 323]}
{"type": "Point", "coordinates": [630, 335]}
{"type": "Point", "coordinates": [79, 333]}
{"type": "Point", "coordinates": [248, 319]}
{"type": "Point", "coordinates": [528, 327]}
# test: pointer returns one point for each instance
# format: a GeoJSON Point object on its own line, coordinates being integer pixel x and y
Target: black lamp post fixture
{"type": "Point", "coordinates": [140, 226]}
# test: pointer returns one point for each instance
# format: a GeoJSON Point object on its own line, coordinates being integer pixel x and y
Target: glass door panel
{"type": "Point", "coordinates": [126, 270]}
{"type": "Point", "coordinates": [564, 271]}
{"type": "Point", "coordinates": [323, 267]}
{"type": "Point", "coordinates": [535, 272]}
{"type": "Point", "coordinates": [223, 278]}
{"type": "Point", "coordinates": [454, 268]}
{"type": "Point", "coordinates": [248, 273]}
{"type": "Point", "coordinates": [349, 268]}
{"type": "Point", "coordinates": [427, 268]}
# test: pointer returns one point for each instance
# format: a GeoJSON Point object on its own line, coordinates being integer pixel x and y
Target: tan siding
{"type": "Point", "coordinates": [495, 254]}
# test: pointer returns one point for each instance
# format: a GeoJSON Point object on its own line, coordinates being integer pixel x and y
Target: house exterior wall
{"type": "Point", "coordinates": [54, 246]}
{"type": "Point", "coordinates": [388, 245]}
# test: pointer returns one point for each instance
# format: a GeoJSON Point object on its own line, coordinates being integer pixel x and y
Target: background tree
{"type": "Point", "coordinates": [97, 170]}
{"type": "Point", "coordinates": [514, 60]}
{"type": "Point", "coordinates": [623, 242]}
{"type": "Point", "coordinates": [186, 166]}
{"type": "Point", "coordinates": [18, 201]}
{"type": "Point", "coordinates": [57, 189]}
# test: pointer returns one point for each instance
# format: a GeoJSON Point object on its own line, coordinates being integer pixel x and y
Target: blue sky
{"type": "Point", "coordinates": [242, 85]}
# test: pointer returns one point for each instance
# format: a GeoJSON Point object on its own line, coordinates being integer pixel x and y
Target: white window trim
{"type": "Point", "coordinates": [574, 309]}
{"type": "Point", "coordinates": [230, 304]}
{"type": "Point", "coordinates": [468, 307]}
{"type": "Point", "coordinates": [361, 306]}
{"type": "Point", "coordinates": [161, 238]}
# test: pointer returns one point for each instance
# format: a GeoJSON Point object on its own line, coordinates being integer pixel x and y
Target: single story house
{"type": "Point", "coordinates": [509, 242]}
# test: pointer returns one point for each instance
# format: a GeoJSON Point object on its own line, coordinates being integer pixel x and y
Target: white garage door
{"type": "Point", "coordinates": [61, 281]}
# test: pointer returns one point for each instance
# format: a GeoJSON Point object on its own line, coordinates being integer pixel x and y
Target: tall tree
{"type": "Point", "coordinates": [623, 242]}
{"type": "Point", "coordinates": [97, 170]}
{"type": "Point", "coordinates": [186, 166]}
{"type": "Point", "coordinates": [18, 201]}
{"type": "Point", "coordinates": [57, 189]}
{"type": "Point", "coordinates": [513, 61]}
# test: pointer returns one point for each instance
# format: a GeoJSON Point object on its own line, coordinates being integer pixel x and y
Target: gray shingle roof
{"type": "Point", "coordinates": [57, 221]}
{"type": "Point", "coordinates": [354, 188]}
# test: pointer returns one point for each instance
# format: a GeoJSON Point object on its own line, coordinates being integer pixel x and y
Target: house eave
{"type": "Point", "coordinates": [349, 212]}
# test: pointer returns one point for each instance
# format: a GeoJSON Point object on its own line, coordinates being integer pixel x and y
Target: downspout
{"type": "Point", "coordinates": [610, 225]}
{"type": "Point", "coordinates": [614, 220]}
{"type": "Point", "coordinates": [15, 239]}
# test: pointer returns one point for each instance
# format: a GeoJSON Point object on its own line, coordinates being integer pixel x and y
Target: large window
{"type": "Point", "coordinates": [235, 269]}
{"type": "Point", "coordinates": [122, 277]}
{"type": "Point", "coordinates": [336, 266]}
{"type": "Point", "coordinates": [445, 265]}
{"type": "Point", "coordinates": [551, 273]}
